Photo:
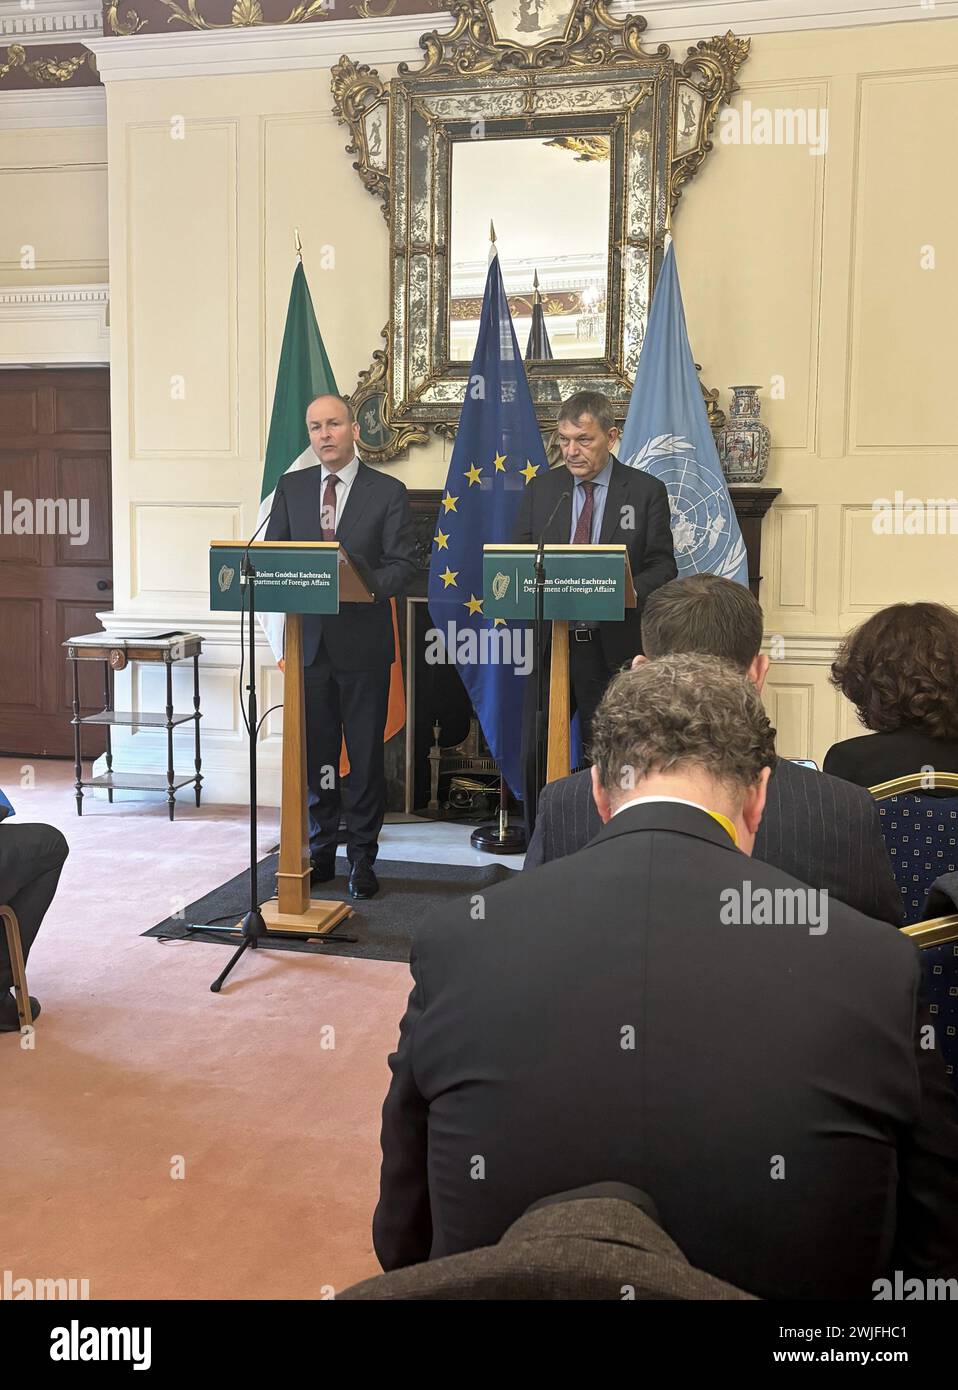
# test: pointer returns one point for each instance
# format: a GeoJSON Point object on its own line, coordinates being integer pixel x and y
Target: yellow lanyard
{"type": "Point", "coordinates": [726, 824]}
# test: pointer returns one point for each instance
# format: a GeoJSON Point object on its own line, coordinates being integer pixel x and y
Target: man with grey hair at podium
{"type": "Point", "coordinates": [594, 499]}
{"type": "Point", "coordinates": [347, 655]}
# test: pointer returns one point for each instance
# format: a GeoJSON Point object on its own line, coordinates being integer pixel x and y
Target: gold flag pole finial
{"type": "Point", "coordinates": [298, 244]}
{"type": "Point", "coordinates": [492, 231]}
{"type": "Point", "coordinates": [535, 287]}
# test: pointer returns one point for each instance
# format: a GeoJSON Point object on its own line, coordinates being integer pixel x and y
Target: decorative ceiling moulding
{"type": "Point", "coordinates": [667, 21]}
{"type": "Point", "coordinates": [276, 48]}
{"type": "Point", "coordinates": [51, 65]}
{"type": "Point", "coordinates": [671, 21]}
{"type": "Point", "coordinates": [45, 22]}
{"type": "Point", "coordinates": [55, 302]}
{"type": "Point", "coordinates": [67, 325]}
{"type": "Point", "coordinates": [127, 18]}
{"type": "Point", "coordinates": [59, 108]}
{"type": "Point", "coordinates": [164, 47]}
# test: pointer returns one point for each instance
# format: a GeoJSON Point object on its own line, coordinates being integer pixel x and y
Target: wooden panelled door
{"type": "Point", "coordinates": [56, 561]}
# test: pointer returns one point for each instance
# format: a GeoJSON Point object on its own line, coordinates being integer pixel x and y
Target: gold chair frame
{"type": "Point", "coordinates": [15, 947]}
{"type": "Point", "coordinates": [915, 782]}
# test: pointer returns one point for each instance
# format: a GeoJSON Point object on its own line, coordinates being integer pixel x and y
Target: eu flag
{"type": "Point", "coordinates": [498, 451]}
{"type": "Point", "coordinates": [667, 433]}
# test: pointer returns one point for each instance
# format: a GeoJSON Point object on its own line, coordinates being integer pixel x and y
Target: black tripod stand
{"type": "Point", "coordinates": [252, 929]}
{"type": "Point", "coordinates": [539, 628]}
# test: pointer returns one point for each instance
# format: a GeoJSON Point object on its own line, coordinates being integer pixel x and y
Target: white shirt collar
{"type": "Point", "coordinates": [347, 475]}
{"type": "Point", "coordinates": [678, 800]}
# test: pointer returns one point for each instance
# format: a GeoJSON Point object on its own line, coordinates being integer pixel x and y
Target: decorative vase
{"type": "Point", "coordinates": [743, 444]}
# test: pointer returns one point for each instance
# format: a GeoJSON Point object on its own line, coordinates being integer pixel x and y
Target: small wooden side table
{"type": "Point", "coordinates": [116, 653]}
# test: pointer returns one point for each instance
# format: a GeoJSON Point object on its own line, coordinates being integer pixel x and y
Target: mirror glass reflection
{"type": "Point", "coordinates": [549, 200]}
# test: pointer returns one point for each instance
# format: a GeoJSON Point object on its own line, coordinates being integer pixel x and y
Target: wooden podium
{"type": "Point", "coordinates": [293, 909]}
{"type": "Point", "coordinates": [327, 577]}
{"type": "Point", "coordinates": [592, 582]}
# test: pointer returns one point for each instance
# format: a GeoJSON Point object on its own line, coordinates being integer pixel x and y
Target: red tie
{"type": "Point", "coordinates": [583, 527]}
{"type": "Point", "coordinates": [328, 513]}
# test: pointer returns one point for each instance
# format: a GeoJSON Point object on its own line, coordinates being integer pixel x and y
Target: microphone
{"type": "Point", "coordinates": [245, 567]}
{"type": "Point", "coordinates": [564, 498]}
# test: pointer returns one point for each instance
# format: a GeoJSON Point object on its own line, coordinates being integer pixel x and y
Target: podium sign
{"type": "Point", "coordinates": [583, 582]}
{"type": "Point", "coordinates": [291, 577]}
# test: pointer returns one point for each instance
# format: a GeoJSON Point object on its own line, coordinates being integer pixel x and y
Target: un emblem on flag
{"type": "Point", "coordinates": [225, 578]}
{"type": "Point", "coordinates": [705, 533]}
{"type": "Point", "coordinates": [500, 586]}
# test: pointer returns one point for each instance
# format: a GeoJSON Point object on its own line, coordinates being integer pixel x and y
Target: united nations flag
{"type": "Point", "coordinates": [498, 451]}
{"type": "Point", "coordinates": [667, 433]}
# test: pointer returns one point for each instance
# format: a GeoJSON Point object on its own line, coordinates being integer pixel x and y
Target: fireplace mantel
{"type": "Point", "coordinates": [750, 502]}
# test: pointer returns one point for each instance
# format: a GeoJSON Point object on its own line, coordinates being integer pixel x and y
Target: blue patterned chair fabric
{"type": "Point", "coordinates": [921, 836]}
{"type": "Point", "coordinates": [938, 939]}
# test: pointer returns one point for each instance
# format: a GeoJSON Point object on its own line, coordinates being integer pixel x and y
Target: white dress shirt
{"type": "Point", "coordinates": [679, 801]}
{"type": "Point", "coordinates": [346, 476]}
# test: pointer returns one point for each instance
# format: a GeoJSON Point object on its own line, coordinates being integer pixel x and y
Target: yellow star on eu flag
{"type": "Point", "coordinates": [473, 475]}
{"type": "Point", "coordinates": [441, 542]}
{"type": "Point", "coordinates": [530, 471]}
{"type": "Point", "coordinates": [498, 622]}
{"type": "Point", "coordinates": [449, 502]}
{"type": "Point", "coordinates": [474, 605]}
{"type": "Point", "coordinates": [500, 462]}
{"type": "Point", "coordinates": [448, 577]}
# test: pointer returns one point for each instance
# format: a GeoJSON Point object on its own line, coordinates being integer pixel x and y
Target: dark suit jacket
{"type": "Point", "coordinates": [593, 1243]}
{"type": "Point", "coordinates": [375, 528]}
{"type": "Point", "coordinates": [942, 898]}
{"type": "Point", "coordinates": [764, 1086]}
{"type": "Point", "coordinates": [873, 758]}
{"type": "Point", "coordinates": [649, 540]}
{"type": "Point", "coordinates": [817, 828]}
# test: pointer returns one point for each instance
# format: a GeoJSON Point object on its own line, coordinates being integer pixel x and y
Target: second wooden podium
{"type": "Point", "coordinates": [583, 582]}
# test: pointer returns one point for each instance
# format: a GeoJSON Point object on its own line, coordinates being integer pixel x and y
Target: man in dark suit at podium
{"type": "Point", "coordinates": [594, 500]}
{"type": "Point", "coordinates": [347, 655]}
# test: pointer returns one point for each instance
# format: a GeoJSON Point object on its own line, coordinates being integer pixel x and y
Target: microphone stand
{"type": "Point", "coordinates": [507, 839]}
{"type": "Point", "coordinates": [252, 930]}
{"type": "Point", "coordinates": [540, 646]}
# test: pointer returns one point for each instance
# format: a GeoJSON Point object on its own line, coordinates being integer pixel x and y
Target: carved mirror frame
{"type": "Point", "coordinates": [595, 79]}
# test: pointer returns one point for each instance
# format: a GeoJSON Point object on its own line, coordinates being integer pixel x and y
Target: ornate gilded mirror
{"type": "Point", "coordinates": [551, 120]}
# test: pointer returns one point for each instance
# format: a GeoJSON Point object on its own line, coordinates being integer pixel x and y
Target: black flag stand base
{"type": "Point", "coordinates": [502, 838]}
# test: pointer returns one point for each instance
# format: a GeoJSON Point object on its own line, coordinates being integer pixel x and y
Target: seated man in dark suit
{"type": "Point", "coordinates": [31, 858]}
{"type": "Point", "coordinates": [819, 828]}
{"type": "Point", "coordinates": [627, 1014]}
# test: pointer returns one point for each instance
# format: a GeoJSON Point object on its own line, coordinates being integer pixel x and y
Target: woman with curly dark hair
{"type": "Point", "coordinates": [900, 671]}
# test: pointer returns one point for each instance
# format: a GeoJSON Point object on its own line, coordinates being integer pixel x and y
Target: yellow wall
{"type": "Point", "coordinates": [53, 195]}
{"type": "Point", "coordinates": [793, 265]}
{"type": "Point", "coordinates": [810, 268]}
{"type": "Point", "coordinates": [53, 210]}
